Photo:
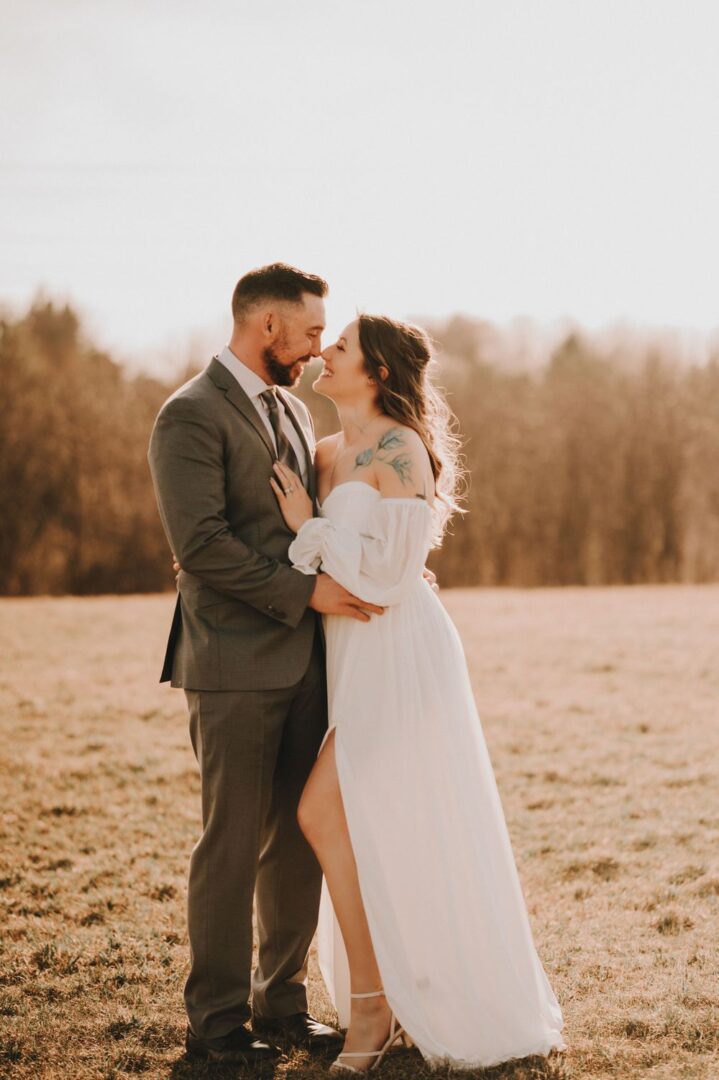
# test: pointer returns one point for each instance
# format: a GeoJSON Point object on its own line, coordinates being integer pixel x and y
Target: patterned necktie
{"type": "Point", "coordinates": [285, 453]}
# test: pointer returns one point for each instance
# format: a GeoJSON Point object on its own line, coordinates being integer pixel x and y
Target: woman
{"type": "Point", "coordinates": [401, 807]}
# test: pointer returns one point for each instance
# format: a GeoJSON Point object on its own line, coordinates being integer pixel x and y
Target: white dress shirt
{"type": "Point", "coordinates": [253, 386]}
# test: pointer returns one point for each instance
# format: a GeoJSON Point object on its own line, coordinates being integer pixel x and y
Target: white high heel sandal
{"type": "Point", "coordinates": [396, 1031]}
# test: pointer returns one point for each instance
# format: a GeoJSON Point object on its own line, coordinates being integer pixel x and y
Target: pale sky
{"type": "Point", "coordinates": [540, 158]}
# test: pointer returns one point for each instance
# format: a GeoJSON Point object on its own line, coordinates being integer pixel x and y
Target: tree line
{"type": "Point", "coordinates": [585, 470]}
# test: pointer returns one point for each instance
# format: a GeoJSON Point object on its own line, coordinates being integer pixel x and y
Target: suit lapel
{"type": "Point", "coordinates": [286, 400]}
{"type": "Point", "coordinates": [225, 381]}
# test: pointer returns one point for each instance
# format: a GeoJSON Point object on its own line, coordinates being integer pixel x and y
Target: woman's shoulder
{"type": "Point", "coordinates": [401, 462]}
{"type": "Point", "coordinates": [395, 439]}
{"type": "Point", "coordinates": [393, 433]}
{"type": "Point", "coordinates": [326, 448]}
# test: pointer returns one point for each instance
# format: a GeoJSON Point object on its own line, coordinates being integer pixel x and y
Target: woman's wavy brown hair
{"type": "Point", "coordinates": [408, 395]}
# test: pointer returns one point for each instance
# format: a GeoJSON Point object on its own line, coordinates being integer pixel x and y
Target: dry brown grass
{"type": "Point", "coordinates": [600, 708]}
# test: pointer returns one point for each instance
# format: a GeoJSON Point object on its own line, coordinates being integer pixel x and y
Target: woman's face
{"type": "Point", "coordinates": [343, 376]}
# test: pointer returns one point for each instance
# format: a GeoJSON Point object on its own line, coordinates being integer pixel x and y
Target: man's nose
{"type": "Point", "coordinates": [317, 346]}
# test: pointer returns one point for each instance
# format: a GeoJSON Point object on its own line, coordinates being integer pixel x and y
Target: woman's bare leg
{"type": "Point", "coordinates": [322, 819]}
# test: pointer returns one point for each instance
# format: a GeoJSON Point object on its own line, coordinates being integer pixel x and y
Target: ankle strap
{"type": "Point", "coordinates": [372, 993]}
{"type": "Point", "coordinates": [359, 1053]}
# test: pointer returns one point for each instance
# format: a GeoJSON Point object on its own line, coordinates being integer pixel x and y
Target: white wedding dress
{"type": "Point", "coordinates": [437, 874]}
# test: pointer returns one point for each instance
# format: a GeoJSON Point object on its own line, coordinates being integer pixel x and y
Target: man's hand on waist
{"type": "Point", "coordinates": [331, 598]}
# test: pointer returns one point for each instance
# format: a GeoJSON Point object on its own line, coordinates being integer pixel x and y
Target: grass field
{"type": "Point", "coordinates": [601, 709]}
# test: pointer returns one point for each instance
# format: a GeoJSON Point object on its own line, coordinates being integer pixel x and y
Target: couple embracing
{"type": "Point", "coordinates": [346, 784]}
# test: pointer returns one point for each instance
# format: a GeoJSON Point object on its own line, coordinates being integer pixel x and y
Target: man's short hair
{"type": "Point", "coordinates": [278, 281]}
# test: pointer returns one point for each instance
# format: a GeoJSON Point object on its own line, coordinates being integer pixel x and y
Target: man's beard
{"type": "Point", "coordinates": [280, 374]}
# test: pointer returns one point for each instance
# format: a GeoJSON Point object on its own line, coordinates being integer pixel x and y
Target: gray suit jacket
{"type": "Point", "coordinates": [241, 620]}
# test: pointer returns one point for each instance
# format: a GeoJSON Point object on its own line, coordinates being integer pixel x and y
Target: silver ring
{"type": "Point", "coordinates": [289, 490]}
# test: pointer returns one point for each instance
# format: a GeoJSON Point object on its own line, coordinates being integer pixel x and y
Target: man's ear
{"type": "Point", "coordinates": [268, 322]}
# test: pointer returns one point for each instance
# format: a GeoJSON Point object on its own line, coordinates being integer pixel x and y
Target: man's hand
{"type": "Point", "coordinates": [431, 579]}
{"type": "Point", "coordinates": [331, 598]}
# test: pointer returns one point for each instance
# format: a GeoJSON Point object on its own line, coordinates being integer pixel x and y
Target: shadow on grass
{"type": "Point", "coordinates": [400, 1065]}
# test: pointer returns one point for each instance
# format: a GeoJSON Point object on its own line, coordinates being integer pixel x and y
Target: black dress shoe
{"type": "Point", "coordinates": [299, 1029]}
{"type": "Point", "coordinates": [239, 1047]}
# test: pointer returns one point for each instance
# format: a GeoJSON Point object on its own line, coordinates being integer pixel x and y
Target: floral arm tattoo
{"type": "Point", "coordinates": [384, 451]}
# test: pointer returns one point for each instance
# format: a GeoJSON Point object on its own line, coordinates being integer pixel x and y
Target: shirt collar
{"type": "Point", "coordinates": [249, 380]}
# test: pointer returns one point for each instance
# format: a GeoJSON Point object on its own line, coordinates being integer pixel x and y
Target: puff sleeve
{"type": "Point", "coordinates": [380, 564]}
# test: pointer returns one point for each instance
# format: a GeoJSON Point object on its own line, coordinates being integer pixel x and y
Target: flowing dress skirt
{"type": "Point", "coordinates": [437, 874]}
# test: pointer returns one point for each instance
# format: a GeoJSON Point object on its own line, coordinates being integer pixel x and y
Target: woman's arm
{"type": "Point", "coordinates": [380, 564]}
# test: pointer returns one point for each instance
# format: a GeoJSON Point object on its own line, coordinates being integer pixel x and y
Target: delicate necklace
{"type": "Point", "coordinates": [339, 453]}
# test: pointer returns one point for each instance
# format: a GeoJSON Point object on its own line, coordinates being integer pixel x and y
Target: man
{"type": "Point", "coordinates": [246, 646]}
